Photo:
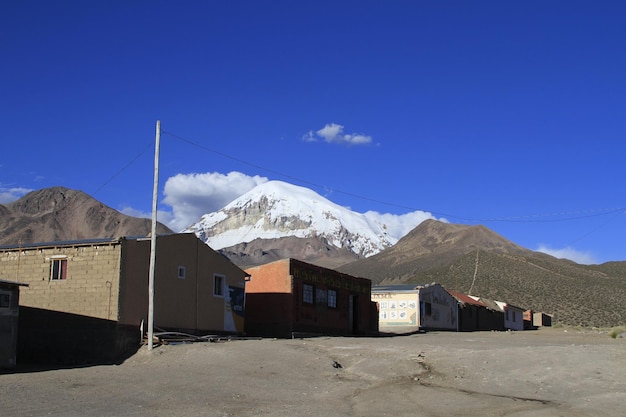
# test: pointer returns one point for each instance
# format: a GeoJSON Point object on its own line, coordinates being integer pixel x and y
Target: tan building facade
{"type": "Point", "coordinates": [415, 307]}
{"type": "Point", "coordinates": [81, 278]}
{"type": "Point", "coordinates": [105, 281]}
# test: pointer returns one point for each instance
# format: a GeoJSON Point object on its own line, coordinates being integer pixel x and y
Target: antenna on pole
{"type": "Point", "coordinates": [153, 236]}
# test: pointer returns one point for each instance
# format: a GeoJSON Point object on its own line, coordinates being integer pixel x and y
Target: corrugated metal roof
{"type": "Point", "coordinates": [74, 242]}
{"type": "Point", "coordinates": [491, 304]}
{"type": "Point", "coordinates": [59, 243]}
{"type": "Point", "coordinates": [466, 299]}
{"type": "Point", "coordinates": [396, 288]}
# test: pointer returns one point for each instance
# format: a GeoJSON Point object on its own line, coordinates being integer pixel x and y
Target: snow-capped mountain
{"type": "Point", "coordinates": [276, 209]}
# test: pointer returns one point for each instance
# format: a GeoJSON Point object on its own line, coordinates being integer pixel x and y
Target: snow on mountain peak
{"type": "Point", "coordinates": [278, 209]}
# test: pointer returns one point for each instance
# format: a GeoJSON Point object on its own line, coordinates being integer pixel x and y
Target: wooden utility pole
{"type": "Point", "coordinates": [153, 238]}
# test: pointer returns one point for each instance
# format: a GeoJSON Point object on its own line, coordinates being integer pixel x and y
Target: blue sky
{"type": "Point", "coordinates": [507, 114]}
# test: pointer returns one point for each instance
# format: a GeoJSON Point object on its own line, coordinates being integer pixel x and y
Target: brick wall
{"type": "Point", "coordinates": [91, 285]}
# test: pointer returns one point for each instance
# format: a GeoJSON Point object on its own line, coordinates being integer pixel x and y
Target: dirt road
{"type": "Point", "coordinates": [549, 372]}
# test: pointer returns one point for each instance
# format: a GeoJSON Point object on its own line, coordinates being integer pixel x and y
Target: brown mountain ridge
{"type": "Point", "coordinates": [469, 259]}
{"type": "Point", "coordinates": [476, 260]}
{"type": "Point", "coordinates": [60, 214]}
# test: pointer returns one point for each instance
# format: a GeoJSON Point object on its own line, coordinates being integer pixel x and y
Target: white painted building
{"type": "Point", "coordinates": [418, 307]}
{"type": "Point", "coordinates": [513, 316]}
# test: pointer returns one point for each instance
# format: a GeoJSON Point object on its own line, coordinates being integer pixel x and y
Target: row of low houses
{"type": "Point", "coordinates": [432, 307]}
{"type": "Point", "coordinates": [88, 300]}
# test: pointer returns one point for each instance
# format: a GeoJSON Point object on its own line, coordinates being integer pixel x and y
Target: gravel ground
{"type": "Point", "coordinates": [548, 372]}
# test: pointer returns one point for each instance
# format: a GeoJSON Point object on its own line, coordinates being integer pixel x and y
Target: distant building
{"type": "Point", "coordinates": [542, 319]}
{"type": "Point", "coordinates": [89, 299]}
{"type": "Point", "coordinates": [528, 320]}
{"type": "Point", "coordinates": [475, 314]}
{"type": "Point", "coordinates": [415, 307]}
{"type": "Point", "coordinates": [289, 297]}
{"type": "Point", "coordinates": [9, 314]}
{"type": "Point", "coordinates": [513, 316]}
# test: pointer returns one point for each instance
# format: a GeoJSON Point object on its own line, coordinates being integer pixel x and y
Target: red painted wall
{"type": "Point", "coordinates": [275, 304]}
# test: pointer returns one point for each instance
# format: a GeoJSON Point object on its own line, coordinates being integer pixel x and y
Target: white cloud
{"type": "Point", "coordinates": [9, 195]}
{"type": "Point", "coordinates": [333, 133]}
{"type": "Point", "coordinates": [399, 225]}
{"type": "Point", "coordinates": [309, 137]}
{"type": "Point", "coordinates": [163, 216]}
{"type": "Point", "coordinates": [570, 253]}
{"type": "Point", "coordinates": [192, 195]}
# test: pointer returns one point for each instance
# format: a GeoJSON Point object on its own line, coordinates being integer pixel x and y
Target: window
{"type": "Point", "coordinates": [58, 269]}
{"type": "Point", "coordinates": [181, 272]}
{"type": "Point", "coordinates": [332, 298]}
{"type": "Point", "coordinates": [218, 285]}
{"type": "Point", "coordinates": [307, 294]}
{"type": "Point", "coordinates": [514, 318]}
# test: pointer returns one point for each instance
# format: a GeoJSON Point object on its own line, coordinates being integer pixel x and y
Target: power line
{"type": "Point", "coordinates": [124, 168]}
{"type": "Point", "coordinates": [536, 218]}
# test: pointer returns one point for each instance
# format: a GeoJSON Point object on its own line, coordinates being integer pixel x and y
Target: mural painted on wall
{"type": "Point", "coordinates": [396, 309]}
{"type": "Point", "coordinates": [234, 310]}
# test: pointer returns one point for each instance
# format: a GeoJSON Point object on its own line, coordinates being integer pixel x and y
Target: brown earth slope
{"type": "Point", "coordinates": [60, 214]}
{"type": "Point", "coordinates": [476, 260]}
{"type": "Point", "coordinates": [315, 250]}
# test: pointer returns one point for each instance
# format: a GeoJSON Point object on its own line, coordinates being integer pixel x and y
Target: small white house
{"type": "Point", "coordinates": [421, 307]}
{"type": "Point", "coordinates": [513, 316]}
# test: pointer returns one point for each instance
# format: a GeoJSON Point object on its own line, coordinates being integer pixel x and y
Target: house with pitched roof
{"type": "Point", "coordinates": [475, 315]}
{"type": "Point", "coordinates": [513, 316]}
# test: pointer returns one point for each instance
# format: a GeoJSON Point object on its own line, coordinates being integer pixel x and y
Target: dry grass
{"type": "Point", "coordinates": [577, 295]}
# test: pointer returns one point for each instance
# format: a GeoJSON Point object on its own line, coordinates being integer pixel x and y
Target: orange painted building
{"type": "Point", "coordinates": [287, 297]}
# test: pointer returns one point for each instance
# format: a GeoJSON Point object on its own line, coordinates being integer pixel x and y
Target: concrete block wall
{"type": "Point", "coordinates": [91, 287]}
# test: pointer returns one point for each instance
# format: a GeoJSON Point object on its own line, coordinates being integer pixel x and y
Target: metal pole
{"type": "Point", "coordinates": [153, 237]}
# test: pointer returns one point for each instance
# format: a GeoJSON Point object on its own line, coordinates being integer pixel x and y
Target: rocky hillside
{"type": "Point", "coordinates": [476, 260]}
{"type": "Point", "coordinates": [59, 214]}
{"type": "Point", "coordinates": [315, 250]}
{"type": "Point", "coordinates": [470, 259]}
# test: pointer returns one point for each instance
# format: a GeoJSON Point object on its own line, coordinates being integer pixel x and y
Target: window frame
{"type": "Point", "coordinates": [58, 268]}
{"type": "Point", "coordinates": [219, 283]}
{"type": "Point", "coordinates": [308, 294]}
{"type": "Point", "coordinates": [182, 272]}
{"type": "Point", "coordinates": [332, 298]}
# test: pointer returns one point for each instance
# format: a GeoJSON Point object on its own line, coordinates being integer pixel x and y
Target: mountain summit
{"type": "Point", "coordinates": [276, 209]}
{"type": "Point", "coordinates": [58, 213]}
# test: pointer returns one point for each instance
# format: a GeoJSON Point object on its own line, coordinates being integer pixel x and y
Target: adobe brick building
{"type": "Point", "coordinates": [288, 297]}
{"type": "Point", "coordinates": [88, 299]}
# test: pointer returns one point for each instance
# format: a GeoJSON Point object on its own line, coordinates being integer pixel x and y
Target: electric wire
{"type": "Point", "coordinates": [537, 218]}
{"type": "Point", "coordinates": [124, 168]}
